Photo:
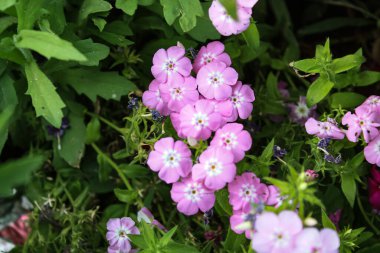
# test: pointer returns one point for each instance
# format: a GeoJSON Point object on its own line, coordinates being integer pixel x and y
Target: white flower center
{"type": "Point", "coordinates": [193, 192]}
{"type": "Point", "coordinates": [122, 233]}
{"type": "Point", "coordinates": [199, 120]}
{"type": "Point", "coordinates": [237, 99]}
{"type": "Point", "coordinates": [158, 95]}
{"type": "Point", "coordinates": [171, 158]}
{"type": "Point", "coordinates": [248, 192]}
{"type": "Point", "coordinates": [375, 101]}
{"type": "Point", "coordinates": [213, 167]}
{"type": "Point", "coordinates": [377, 148]}
{"type": "Point", "coordinates": [324, 128]}
{"type": "Point", "coordinates": [207, 58]}
{"type": "Point", "coordinates": [281, 239]}
{"type": "Point", "coordinates": [302, 111]}
{"type": "Point", "coordinates": [169, 65]}
{"type": "Point", "coordinates": [226, 17]}
{"type": "Point", "coordinates": [228, 140]}
{"type": "Point", "coordinates": [176, 93]}
{"type": "Point", "coordinates": [215, 79]}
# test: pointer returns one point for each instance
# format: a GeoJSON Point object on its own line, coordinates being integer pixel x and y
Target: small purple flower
{"type": "Point", "coordinates": [324, 143]}
{"type": "Point", "coordinates": [58, 132]}
{"type": "Point", "coordinates": [335, 217]}
{"type": "Point", "coordinates": [300, 112]}
{"type": "Point", "coordinates": [207, 216]}
{"type": "Point", "coordinates": [331, 159]}
{"type": "Point", "coordinates": [278, 151]}
{"type": "Point", "coordinates": [156, 116]}
{"type": "Point", "coordinates": [133, 103]}
{"type": "Point", "coordinates": [118, 231]}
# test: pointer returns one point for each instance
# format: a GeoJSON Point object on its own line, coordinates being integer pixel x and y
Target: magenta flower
{"type": "Point", "coordinates": [335, 217]}
{"type": "Point", "coordinates": [224, 23]}
{"type": "Point", "coordinates": [310, 240]}
{"type": "Point", "coordinates": [118, 231]}
{"type": "Point", "coordinates": [145, 215]}
{"type": "Point", "coordinates": [213, 52]}
{"type": "Point", "coordinates": [310, 175]}
{"type": "Point", "coordinates": [323, 129]}
{"type": "Point", "coordinates": [374, 189]}
{"type": "Point", "coordinates": [276, 233]}
{"type": "Point", "coordinates": [170, 63]}
{"type": "Point", "coordinates": [197, 121]}
{"type": "Point", "coordinates": [274, 198]}
{"type": "Point", "coordinates": [176, 122]}
{"type": "Point", "coordinates": [153, 100]}
{"type": "Point", "coordinates": [216, 167]}
{"type": "Point", "coordinates": [374, 103]}
{"type": "Point", "coordinates": [247, 3]}
{"type": "Point", "coordinates": [364, 120]}
{"type": "Point", "coordinates": [300, 112]}
{"type": "Point", "coordinates": [224, 107]}
{"type": "Point", "coordinates": [179, 91]}
{"type": "Point", "coordinates": [237, 219]}
{"type": "Point", "coordinates": [241, 100]}
{"type": "Point", "coordinates": [171, 159]}
{"type": "Point", "coordinates": [245, 190]}
{"type": "Point", "coordinates": [191, 195]}
{"type": "Point", "coordinates": [215, 80]}
{"type": "Point", "coordinates": [233, 138]}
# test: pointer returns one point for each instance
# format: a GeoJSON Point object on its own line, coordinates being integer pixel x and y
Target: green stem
{"type": "Point", "coordinates": [109, 123]}
{"type": "Point", "coordinates": [365, 215]}
{"type": "Point", "coordinates": [163, 219]}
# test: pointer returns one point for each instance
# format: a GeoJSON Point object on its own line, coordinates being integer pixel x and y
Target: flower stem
{"type": "Point", "coordinates": [107, 122]}
{"type": "Point", "coordinates": [377, 231]}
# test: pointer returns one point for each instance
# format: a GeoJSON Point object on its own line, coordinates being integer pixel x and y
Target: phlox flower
{"type": "Point", "coordinates": [233, 138]}
{"type": "Point", "coordinates": [192, 196]}
{"type": "Point", "coordinates": [216, 167]}
{"type": "Point", "coordinates": [117, 235]}
{"type": "Point", "coordinates": [276, 233]}
{"type": "Point", "coordinates": [212, 52]}
{"type": "Point", "coordinates": [170, 63]}
{"type": "Point", "coordinates": [145, 215]}
{"type": "Point", "coordinates": [224, 23]}
{"type": "Point", "coordinates": [374, 189]}
{"type": "Point", "coordinates": [310, 240]}
{"type": "Point", "coordinates": [300, 112]}
{"type": "Point", "coordinates": [372, 151]}
{"type": "Point", "coordinates": [274, 198]}
{"type": "Point", "coordinates": [215, 80]}
{"type": "Point", "coordinates": [247, 3]}
{"type": "Point", "coordinates": [152, 98]}
{"type": "Point", "coordinates": [323, 129]}
{"type": "Point", "coordinates": [241, 101]}
{"type": "Point", "coordinates": [176, 122]}
{"type": "Point", "coordinates": [364, 120]}
{"type": "Point", "coordinates": [374, 103]}
{"type": "Point", "coordinates": [245, 190]}
{"type": "Point", "coordinates": [170, 159]}
{"type": "Point", "coordinates": [198, 120]}
{"type": "Point", "coordinates": [179, 91]}
{"type": "Point", "coordinates": [237, 219]}
{"type": "Point", "coordinates": [224, 107]}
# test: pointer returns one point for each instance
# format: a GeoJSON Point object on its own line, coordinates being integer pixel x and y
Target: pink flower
{"type": "Point", "coordinates": [191, 196]}
{"type": "Point", "coordinates": [216, 167]}
{"type": "Point", "coordinates": [215, 80]}
{"type": "Point", "coordinates": [17, 231]}
{"type": "Point", "coordinates": [241, 100]}
{"type": "Point", "coordinates": [364, 120]}
{"type": "Point", "coordinates": [118, 231]}
{"type": "Point", "coordinates": [335, 217]}
{"type": "Point", "coordinates": [323, 129]}
{"type": "Point", "coordinates": [374, 189]}
{"type": "Point", "coordinates": [374, 103]}
{"type": "Point", "coordinates": [245, 190]}
{"type": "Point", "coordinates": [237, 219]}
{"type": "Point", "coordinates": [115, 249]}
{"type": "Point", "coordinates": [300, 112]}
{"type": "Point", "coordinates": [197, 121]}
{"type": "Point", "coordinates": [179, 91]}
{"type": "Point", "coordinates": [233, 138]}
{"type": "Point", "coordinates": [247, 3]}
{"type": "Point", "coordinates": [276, 233]}
{"type": "Point", "coordinates": [171, 159]}
{"type": "Point", "coordinates": [224, 23]}
{"type": "Point", "coordinates": [224, 107]}
{"type": "Point", "coordinates": [310, 240]}
{"type": "Point", "coordinates": [176, 122]}
{"type": "Point", "coordinates": [170, 63]}
{"type": "Point", "coordinates": [213, 52]}
{"type": "Point", "coordinates": [311, 175]}
{"type": "Point", "coordinates": [282, 89]}
{"type": "Point", "coordinates": [153, 100]}
{"type": "Point", "coordinates": [274, 198]}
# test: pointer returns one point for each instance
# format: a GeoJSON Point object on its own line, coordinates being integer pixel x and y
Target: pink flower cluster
{"type": "Point", "coordinates": [224, 23]}
{"type": "Point", "coordinates": [284, 233]}
{"type": "Point", "coordinates": [365, 121]}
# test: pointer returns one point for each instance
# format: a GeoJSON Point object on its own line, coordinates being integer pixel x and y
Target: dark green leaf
{"type": "Point", "coordinates": [126, 196]}
{"type": "Point", "coordinates": [8, 51]}
{"type": "Point", "coordinates": [94, 52]}
{"type": "Point", "coordinates": [346, 99]}
{"type": "Point", "coordinates": [222, 199]}
{"type": "Point", "coordinates": [349, 188]}
{"type": "Point", "coordinates": [100, 23]}
{"type": "Point", "coordinates": [5, 4]}
{"type": "Point", "coordinates": [326, 222]}
{"type": "Point", "coordinates": [93, 6]}
{"type": "Point", "coordinates": [233, 241]}
{"type": "Point", "coordinates": [6, 22]}
{"type": "Point", "coordinates": [28, 11]}
{"type": "Point", "coordinates": [367, 78]}
{"type": "Point", "coordinates": [174, 247]}
{"type": "Point", "coordinates": [128, 6]}
{"type": "Point", "coordinates": [93, 131]}
{"type": "Point", "coordinates": [267, 153]}
{"type": "Point", "coordinates": [138, 240]}
{"type": "Point", "coordinates": [252, 36]}
{"type": "Point", "coordinates": [271, 84]}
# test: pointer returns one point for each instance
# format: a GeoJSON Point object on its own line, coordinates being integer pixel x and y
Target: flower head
{"type": "Point", "coordinates": [311, 175]}
{"type": "Point", "coordinates": [145, 215]}
{"type": "Point", "coordinates": [215, 80]}
{"type": "Point", "coordinates": [233, 138]}
{"type": "Point", "coordinates": [215, 167]}
{"type": "Point", "coordinates": [237, 219]}
{"type": "Point", "coordinates": [171, 159]}
{"type": "Point", "coordinates": [192, 196]}
{"type": "Point", "coordinates": [198, 120]}
{"type": "Point", "coordinates": [152, 99]}
{"type": "Point", "coordinates": [300, 112]}
{"type": "Point", "coordinates": [278, 151]}
{"type": "Point", "coordinates": [324, 143]}
{"type": "Point", "coordinates": [246, 190]}
{"type": "Point", "coordinates": [58, 132]}
{"type": "Point", "coordinates": [372, 151]}
{"type": "Point", "coordinates": [247, 3]}
{"type": "Point", "coordinates": [374, 103]}
{"type": "Point", "coordinates": [133, 103]}
{"type": "Point", "coordinates": [310, 240]}
{"type": "Point", "coordinates": [118, 231]}
{"type": "Point", "coordinates": [170, 63]}
{"type": "Point", "coordinates": [213, 52]}
{"type": "Point", "coordinates": [241, 100]}
{"type": "Point", "coordinates": [323, 129]}
{"type": "Point", "coordinates": [374, 189]}
{"type": "Point", "coordinates": [335, 217]}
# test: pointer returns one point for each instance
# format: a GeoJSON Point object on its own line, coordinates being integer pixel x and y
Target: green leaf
{"type": "Point", "coordinates": [370, 249]}
{"type": "Point", "coordinates": [5, 118]}
{"type": "Point", "coordinates": [45, 99]}
{"type": "Point", "coordinates": [346, 99]}
{"type": "Point", "coordinates": [100, 23]}
{"type": "Point", "coordinates": [326, 222]}
{"type": "Point", "coordinates": [28, 11]}
{"type": "Point", "coordinates": [94, 52]}
{"type": "Point", "coordinates": [346, 63]}
{"type": "Point", "coordinates": [322, 53]}
{"type": "Point", "coordinates": [148, 233]}
{"type": "Point", "coordinates": [73, 141]}
{"type": "Point", "coordinates": [128, 6]}
{"type": "Point", "coordinates": [318, 90]}
{"type": "Point", "coordinates": [233, 241]}
{"type": "Point", "coordinates": [134, 170]}
{"type": "Point", "coordinates": [17, 172]}
{"type": "Point", "coordinates": [93, 6]}
{"type": "Point", "coordinates": [349, 188]}
{"type": "Point", "coordinates": [272, 88]}
{"type": "Point", "coordinates": [8, 51]}
{"type": "Point", "coordinates": [222, 199]}
{"type": "Point", "coordinates": [204, 30]}
{"type": "Point", "coordinates": [356, 161]}
{"type": "Point", "coordinates": [93, 131]}
{"type": "Point", "coordinates": [231, 7]}
{"type": "Point", "coordinates": [138, 240]}
{"type": "Point", "coordinates": [167, 237]}
{"type": "Point", "coordinates": [174, 247]}
{"type": "Point", "coordinates": [126, 196]}
{"type": "Point", "coordinates": [268, 151]}
{"type": "Point", "coordinates": [307, 66]}
{"type": "Point", "coordinates": [5, 4]}
{"type": "Point", "coordinates": [171, 10]}
{"type": "Point", "coordinates": [367, 78]}
{"type": "Point", "coordinates": [6, 22]}
{"type": "Point", "coordinates": [252, 36]}
{"type": "Point", "coordinates": [93, 83]}
{"type": "Point", "coordinates": [48, 45]}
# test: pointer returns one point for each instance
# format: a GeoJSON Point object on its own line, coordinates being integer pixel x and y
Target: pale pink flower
{"type": "Point", "coordinates": [197, 121]}
{"type": "Point", "coordinates": [241, 100]}
{"type": "Point", "coordinates": [179, 91]}
{"type": "Point", "coordinates": [192, 196]}
{"type": "Point", "coordinates": [233, 138]}
{"type": "Point", "coordinates": [152, 99]}
{"type": "Point", "coordinates": [176, 122]}
{"type": "Point", "coordinates": [215, 167]}
{"type": "Point", "coordinates": [364, 120]}
{"type": "Point", "coordinates": [274, 198]}
{"type": "Point", "coordinates": [118, 231]}
{"type": "Point", "coordinates": [372, 151]}
{"type": "Point", "coordinates": [374, 103]}
{"type": "Point", "coordinates": [170, 63]}
{"type": "Point", "coordinates": [310, 240]}
{"type": "Point", "coordinates": [276, 233]}
{"type": "Point", "coordinates": [213, 52]}
{"type": "Point", "coordinates": [245, 190]}
{"type": "Point", "coordinates": [323, 129]}
{"type": "Point", "coordinates": [237, 219]}
{"type": "Point", "coordinates": [215, 80]}
{"type": "Point", "coordinates": [171, 159]}
{"type": "Point", "coordinates": [224, 23]}
{"type": "Point", "coordinates": [224, 107]}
